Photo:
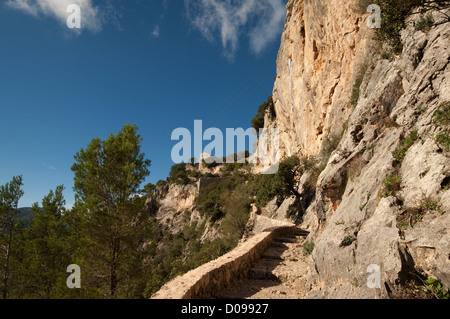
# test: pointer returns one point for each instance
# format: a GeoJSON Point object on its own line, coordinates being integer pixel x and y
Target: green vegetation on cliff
{"type": "Point", "coordinates": [394, 14]}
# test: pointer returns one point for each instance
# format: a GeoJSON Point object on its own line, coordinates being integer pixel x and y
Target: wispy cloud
{"type": "Point", "coordinates": [50, 167]}
{"type": "Point", "coordinates": [164, 7]}
{"type": "Point", "coordinates": [261, 20]}
{"type": "Point", "coordinates": [155, 32]}
{"type": "Point", "coordinates": [91, 17]}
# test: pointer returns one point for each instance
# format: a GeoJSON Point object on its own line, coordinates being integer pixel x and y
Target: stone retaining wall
{"type": "Point", "coordinates": [207, 280]}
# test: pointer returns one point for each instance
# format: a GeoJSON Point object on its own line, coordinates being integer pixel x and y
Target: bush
{"type": "Point", "coordinates": [329, 145]}
{"type": "Point", "coordinates": [413, 215]}
{"type": "Point", "coordinates": [435, 287]}
{"type": "Point", "coordinates": [258, 120]}
{"type": "Point", "coordinates": [347, 241]}
{"type": "Point", "coordinates": [316, 165]}
{"type": "Point", "coordinates": [209, 202]}
{"type": "Point", "coordinates": [425, 23]}
{"type": "Point", "coordinates": [357, 85]}
{"type": "Point", "coordinates": [442, 118]}
{"type": "Point", "coordinates": [391, 186]}
{"type": "Point", "coordinates": [178, 174]}
{"type": "Point", "coordinates": [280, 184]}
{"type": "Point", "coordinates": [394, 14]}
{"type": "Point", "coordinates": [443, 140]}
{"type": "Point", "coordinates": [161, 183]}
{"type": "Point", "coordinates": [442, 115]}
{"type": "Point", "coordinates": [400, 153]}
{"type": "Point", "coordinates": [230, 199]}
{"type": "Point", "coordinates": [308, 248]}
{"type": "Point", "coordinates": [195, 174]}
{"type": "Point", "coordinates": [149, 189]}
{"type": "Point", "coordinates": [237, 205]}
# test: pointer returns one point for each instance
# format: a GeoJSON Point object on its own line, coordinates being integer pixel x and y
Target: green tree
{"type": "Point", "coordinates": [258, 120]}
{"type": "Point", "coordinates": [10, 195]}
{"type": "Point", "coordinates": [108, 175]}
{"type": "Point", "coordinates": [47, 248]}
{"type": "Point", "coordinates": [178, 174]}
{"type": "Point", "coordinates": [148, 189]}
{"type": "Point", "coordinates": [281, 184]}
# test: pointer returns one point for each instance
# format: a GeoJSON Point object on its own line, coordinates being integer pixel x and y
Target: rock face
{"type": "Point", "coordinates": [379, 213]}
{"type": "Point", "coordinates": [323, 43]}
{"type": "Point", "coordinates": [357, 231]}
{"type": "Point", "coordinates": [174, 208]}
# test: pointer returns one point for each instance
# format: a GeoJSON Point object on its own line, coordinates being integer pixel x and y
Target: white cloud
{"type": "Point", "coordinates": [261, 20]}
{"type": "Point", "coordinates": [155, 32]}
{"type": "Point", "coordinates": [23, 5]}
{"type": "Point", "coordinates": [91, 19]}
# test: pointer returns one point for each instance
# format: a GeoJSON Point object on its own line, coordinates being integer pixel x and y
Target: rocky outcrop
{"type": "Point", "coordinates": [369, 236]}
{"type": "Point", "coordinates": [353, 225]}
{"type": "Point", "coordinates": [332, 80]}
{"type": "Point", "coordinates": [174, 208]}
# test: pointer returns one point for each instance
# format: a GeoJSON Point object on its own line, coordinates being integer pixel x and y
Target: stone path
{"type": "Point", "coordinates": [279, 274]}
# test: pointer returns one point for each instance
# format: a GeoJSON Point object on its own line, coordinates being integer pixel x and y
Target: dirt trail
{"type": "Point", "coordinates": [279, 274]}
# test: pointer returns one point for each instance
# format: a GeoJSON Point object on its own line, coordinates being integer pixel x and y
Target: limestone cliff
{"type": "Point", "coordinates": [322, 45]}
{"type": "Point", "coordinates": [326, 50]}
{"type": "Point", "coordinates": [174, 208]}
{"type": "Point", "coordinates": [377, 206]}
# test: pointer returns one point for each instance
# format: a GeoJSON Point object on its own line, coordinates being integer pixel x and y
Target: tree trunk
{"type": "Point", "coordinates": [8, 254]}
{"type": "Point", "coordinates": [114, 267]}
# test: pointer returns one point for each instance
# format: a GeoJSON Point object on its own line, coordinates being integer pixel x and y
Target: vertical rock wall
{"type": "Point", "coordinates": [323, 44]}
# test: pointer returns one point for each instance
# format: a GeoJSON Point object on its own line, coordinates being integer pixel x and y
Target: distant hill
{"type": "Point", "coordinates": [25, 214]}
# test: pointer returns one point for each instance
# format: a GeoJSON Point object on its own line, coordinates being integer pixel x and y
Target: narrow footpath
{"type": "Point", "coordinates": [279, 274]}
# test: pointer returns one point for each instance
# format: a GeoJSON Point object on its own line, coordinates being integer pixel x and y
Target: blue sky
{"type": "Point", "coordinates": [158, 64]}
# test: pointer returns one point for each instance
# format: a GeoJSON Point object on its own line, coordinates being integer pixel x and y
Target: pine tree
{"type": "Point", "coordinates": [108, 175]}
{"type": "Point", "coordinates": [47, 252]}
{"type": "Point", "coordinates": [10, 195]}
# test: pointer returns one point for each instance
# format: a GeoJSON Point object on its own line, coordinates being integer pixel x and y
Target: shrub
{"type": "Point", "coordinates": [425, 23]}
{"type": "Point", "coordinates": [316, 165]}
{"type": "Point", "coordinates": [209, 202]}
{"type": "Point", "coordinates": [394, 14]}
{"type": "Point", "coordinates": [435, 288]}
{"type": "Point", "coordinates": [391, 186]}
{"type": "Point", "coordinates": [178, 174]}
{"type": "Point", "coordinates": [442, 115]}
{"type": "Point", "coordinates": [229, 200]}
{"type": "Point", "coordinates": [430, 204]}
{"type": "Point", "coordinates": [161, 183]}
{"type": "Point", "coordinates": [357, 85]}
{"type": "Point", "coordinates": [329, 145]}
{"type": "Point", "coordinates": [443, 140]}
{"type": "Point", "coordinates": [400, 153]}
{"type": "Point", "coordinates": [347, 241]}
{"type": "Point", "coordinates": [236, 205]}
{"type": "Point", "coordinates": [281, 184]}
{"type": "Point", "coordinates": [308, 247]}
{"type": "Point", "coordinates": [149, 189]}
{"type": "Point", "coordinates": [413, 215]}
{"type": "Point", "coordinates": [195, 174]}
{"type": "Point", "coordinates": [442, 118]}
{"type": "Point", "coordinates": [258, 120]}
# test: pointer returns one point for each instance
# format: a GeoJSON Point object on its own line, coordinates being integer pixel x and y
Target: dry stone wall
{"type": "Point", "coordinates": [208, 280]}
